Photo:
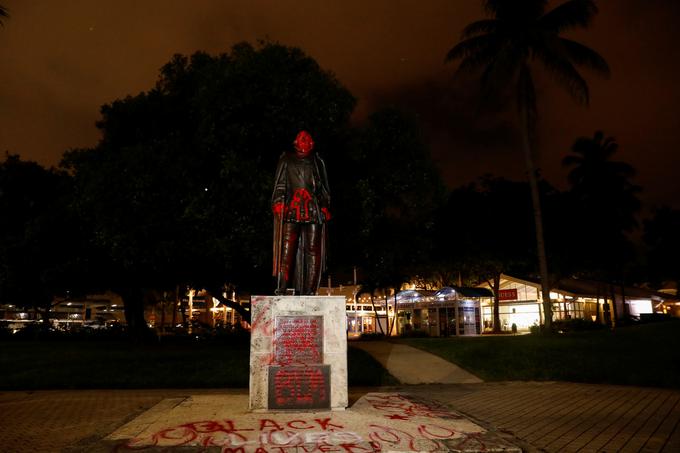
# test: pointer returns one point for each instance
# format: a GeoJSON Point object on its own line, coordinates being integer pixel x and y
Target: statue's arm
{"type": "Point", "coordinates": [279, 194]}
{"type": "Point", "coordinates": [325, 195]}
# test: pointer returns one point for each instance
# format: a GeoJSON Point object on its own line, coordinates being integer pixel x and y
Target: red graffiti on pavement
{"type": "Point", "coordinates": [414, 425]}
{"type": "Point", "coordinates": [318, 434]}
{"type": "Point", "coordinates": [396, 406]}
{"type": "Point", "coordinates": [302, 435]}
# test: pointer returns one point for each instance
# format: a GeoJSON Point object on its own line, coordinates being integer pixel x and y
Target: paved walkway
{"type": "Point", "coordinates": [414, 366]}
{"type": "Point", "coordinates": [545, 416]}
{"type": "Point", "coordinates": [553, 417]}
{"type": "Point", "coordinates": [537, 416]}
{"type": "Point", "coordinates": [571, 417]}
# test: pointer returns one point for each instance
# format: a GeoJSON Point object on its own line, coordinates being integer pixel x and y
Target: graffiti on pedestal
{"type": "Point", "coordinates": [298, 340]}
{"type": "Point", "coordinates": [299, 387]}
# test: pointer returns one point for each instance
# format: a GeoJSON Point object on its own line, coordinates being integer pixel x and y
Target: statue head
{"type": "Point", "coordinates": [303, 144]}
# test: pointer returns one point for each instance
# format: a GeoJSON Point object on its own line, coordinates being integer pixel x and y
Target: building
{"type": "Point", "coordinates": [447, 312]}
{"type": "Point", "coordinates": [520, 302]}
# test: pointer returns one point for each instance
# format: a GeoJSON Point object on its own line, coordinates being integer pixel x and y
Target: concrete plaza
{"type": "Point", "coordinates": [534, 416]}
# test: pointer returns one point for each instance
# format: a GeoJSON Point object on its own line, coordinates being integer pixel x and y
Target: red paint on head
{"type": "Point", "coordinates": [303, 144]}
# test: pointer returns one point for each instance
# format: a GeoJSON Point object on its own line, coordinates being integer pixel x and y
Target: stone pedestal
{"type": "Point", "coordinates": [298, 353]}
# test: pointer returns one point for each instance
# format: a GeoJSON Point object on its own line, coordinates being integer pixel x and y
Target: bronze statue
{"type": "Point", "coordinates": [300, 205]}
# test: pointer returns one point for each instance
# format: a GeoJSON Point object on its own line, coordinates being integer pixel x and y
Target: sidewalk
{"type": "Point", "coordinates": [537, 416]}
{"type": "Point", "coordinates": [468, 415]}
{"type": "Point", "coordinates": [414, 366]}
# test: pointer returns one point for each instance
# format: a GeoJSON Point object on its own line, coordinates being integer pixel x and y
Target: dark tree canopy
{"type": "Point", "coordinates": [389, 200]}
{"type": "Point", "coordinates": [604, 204]}
{"type": "Point", "coordinates": [503, 48]}
{"type": "Point", "coordinates": [663, 246]}
{"type": "Point", "coordinates": [38, 237]}
{"type": "Point", "coordinates": [178, 189]}
{"type": "Point", "coordinates": [4, 14]}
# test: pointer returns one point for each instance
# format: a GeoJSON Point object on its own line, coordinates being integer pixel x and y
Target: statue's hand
{"type": "Point", "coordinates": [277, 209]}
{"type": "Point", "coordinates": [326, 213]}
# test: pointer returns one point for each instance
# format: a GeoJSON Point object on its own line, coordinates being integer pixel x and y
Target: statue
{"type": "Point", "coordinates": [300, 205]}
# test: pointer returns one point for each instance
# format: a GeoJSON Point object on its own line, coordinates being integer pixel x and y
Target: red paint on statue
{"type": "Point", "coordinates": [300, 205]}
{"type": "Point", "coordinates": [303, 144]}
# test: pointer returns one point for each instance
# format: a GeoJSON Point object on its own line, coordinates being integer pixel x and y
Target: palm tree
{"type": "Point", "coordinates": [504, 47]}
{"type": "Point", "coordinates": [3, 15]}
{"type": "Point", "coordinates": [603, 191]}
{"type": "Point", "coordinates": [601, 183]}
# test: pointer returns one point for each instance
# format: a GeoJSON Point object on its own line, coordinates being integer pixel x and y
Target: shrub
{"type": "Point", "coordinates": [414, 334]}
{"type": "Point", "coordinates": [575, 325]}
{"type": "Point", "coordinates": [372, 336]}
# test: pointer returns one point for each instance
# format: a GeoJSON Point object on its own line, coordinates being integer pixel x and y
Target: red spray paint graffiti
{"type": "Point", "coordinates": [396, 406]}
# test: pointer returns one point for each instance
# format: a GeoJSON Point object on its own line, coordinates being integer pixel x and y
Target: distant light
{"type": "Point", "coordinates": [69, 304]}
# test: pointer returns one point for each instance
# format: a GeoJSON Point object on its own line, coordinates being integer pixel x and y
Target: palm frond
{"type": "Point", "coordinates": [515, 9]}
{"type": "Point", "coordinates": [585, 56]}
{"type": "Point", "coordinates": [502, 67]}
{"type": "Point", "coordinates": [570, 160]}
{"type": "Point", "coordinates": [563, 71]}
{"type": "Point", "coordinates": [4, 14]}
{"type": "Point", "coordinates": [469, 47]}
{"type": "Point", "coordinates": [569, 15]}
{"type": "Point", "coordinates": [480, 27]}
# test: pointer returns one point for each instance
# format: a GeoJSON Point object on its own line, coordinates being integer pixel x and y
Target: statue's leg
{"type": "Point", "coordinates": [291, 234]}
{"type": "Point", "coordinates": [313, 234]}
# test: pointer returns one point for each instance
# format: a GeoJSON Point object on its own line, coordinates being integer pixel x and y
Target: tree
{"type": "Point", "coordinates": [178, 190]}
{"type": "Point", "coordinates": [39, 239]}
{"type": "Point", "coordinates": [504, 48]}
{"type": "Point", "coordinates": [4, 14]}
{"type": "Point", "coordinates": [484, 231]}
{"type": "Point", "coordinates": [387, 203]}
{"type": "Point", "coordinates": [606, 200]}
{"type": "Point", "coordinates": [663, 246]}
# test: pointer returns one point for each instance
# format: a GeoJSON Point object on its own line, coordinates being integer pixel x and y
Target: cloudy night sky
{"type": "Point", "coordinates": [63, 60]}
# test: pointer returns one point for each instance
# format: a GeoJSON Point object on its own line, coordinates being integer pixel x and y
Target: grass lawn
{"type": "Point", "coordinates": [646, 355]}
{"type": "Point", "coordinates": [117, 364]}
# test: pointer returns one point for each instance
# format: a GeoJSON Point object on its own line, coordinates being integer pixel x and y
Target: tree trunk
{"type": "Point", "coordinates": [496, 303]}
{"type": "Point", "coordinates": [375, 312]}
{"type": "Point", "coordinates": [597, 306]}
{"type": "Point", "coordinates": [396, 313]}
{"type": "Point", "coordinates": [615, 311]}
{"type": "Point", "coordinates": [626, 312]}
{"type": "Point", "coordinates": [133, 301]}
{"type": "Point", "coordinates": [538, 216]}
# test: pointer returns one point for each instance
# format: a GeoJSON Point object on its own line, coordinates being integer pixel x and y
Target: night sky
{"type": "Point", "coordinates": [62, 60]}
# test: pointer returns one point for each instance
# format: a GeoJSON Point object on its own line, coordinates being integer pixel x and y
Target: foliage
{"type": "Point", "coordinates": [486, 228]}
{"type": "Point", "coordinates": [371, 336]}
{"type": "Point", "coordinates": [603, 196]}
{"type": "Point", "coordinates": [576, 325]}
{"type": "Point", "coordinates": [413, 333]}
{"type": "Point", "coordinates": [4, 14]}
{"type": "Point", "coordinates": [390, 198]}
{"type": "Point", "coordinates": [663, 245]}
{"type": "Point", "coordinates": [39, 236]}
{"type": "Point", "coordinates": [503, 48]}
{"type": "Point", "coordinates": [177, 191]}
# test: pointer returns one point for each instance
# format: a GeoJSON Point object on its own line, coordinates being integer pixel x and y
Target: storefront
{"type": "Point", "coordinates": [520, 302]}
{"type": "Point", "coordinates": [447, 312]}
